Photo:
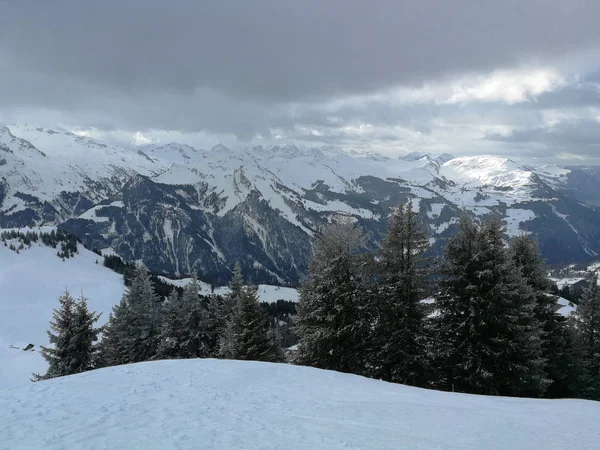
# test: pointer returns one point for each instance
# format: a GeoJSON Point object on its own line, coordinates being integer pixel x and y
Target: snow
{"type": "Point", "coordinates": [60, 160]}
{"type": "Point", "coordinates": [190, 404]}
{"type": "Point", "coordinates": [566, 306]}
{"type": "Point", "coordinates": [266, 293]}
{"type": "Point", "coordinates": [514, 218]}
{"type": "Point", "coordinates": [30, 282]}
{"type": "Point", "coordinates": [487, 171]}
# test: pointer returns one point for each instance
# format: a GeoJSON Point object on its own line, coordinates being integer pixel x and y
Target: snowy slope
{"type": "Point", "coordinates": [30, 283]}
{"type": "Point", "coordinates": [266, 293]}
{"type": "Point", "coordinates": [216, 404]}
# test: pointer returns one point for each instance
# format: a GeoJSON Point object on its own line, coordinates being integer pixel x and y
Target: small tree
{"type": "Point", "coordinates": [247, 333]}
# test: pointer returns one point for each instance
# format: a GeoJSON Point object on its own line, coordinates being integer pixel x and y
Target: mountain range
{"type": "Point", "coordinates": [181, 209]}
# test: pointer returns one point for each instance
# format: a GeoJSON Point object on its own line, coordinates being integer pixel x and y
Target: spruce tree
{"type": "Point", "coordinates": [133, 330]}
{"type": "Point", "coordinates": [85, 334]}
{"type": "Point", "coordinates": [236, 289]}
{"type": "Point", "coordinates": [557, 344]}
{"type": "Point", "coordinates": [169, 346]}
{"type": "Point", "coordinates": [399, 338]}
{"type": "Point", "coordinates": [215, 324]}
{"type": "Point", "coordinates": [194, 321]}
{"type": "Point", "coordinates": [73, 334]}
{"type": "Point", "coordinates": [491, 338]}
{"type": "Point", "coordinates": [59, 357]}
{"type": "Point", "coordinates": [332, 323]}
{"type": "Point", "coordinates": [247, 333]}
{"type": "Point", "coordinates": [587, 323]}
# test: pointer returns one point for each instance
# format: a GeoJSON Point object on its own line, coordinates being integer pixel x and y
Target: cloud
{"type": "Point", "coordinates": [391, 75]}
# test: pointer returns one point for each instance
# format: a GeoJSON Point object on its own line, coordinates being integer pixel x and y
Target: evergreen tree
{"type": "Point", "coordinates": [247, 333]}
{"type": "Point", "coordinates": [194, 321]}
{"type": "Point", "coordinates": [73, 335]}
{"type": "Point", "coordinates": [399, 339]}
{"type": "Point", "coordinates": [557, 343]}
{"type": "Point", "coordinates": [133, 330]}
{"type": "Point", "coordinates": [587, 323]}
{"type": "Point", "coordinates": [169, 346]}
{"type": "Point", "coordinates": [487, 320]}
{"type": "Point", "coordinates": [85, 334]}
{"type": "Point", "coordinates": [236, 289]}
{"type": "Point", "coordinates": [59, 357]}
{"type": "Point", "coordinates": [215, 324]}
{"type": "Point", "coordinates": [333, 323]}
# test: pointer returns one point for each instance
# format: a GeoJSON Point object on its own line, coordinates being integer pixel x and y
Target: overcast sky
{"type": "Point", "coordinates": [507, 77]}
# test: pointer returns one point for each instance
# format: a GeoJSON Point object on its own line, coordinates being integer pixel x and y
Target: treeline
{"type": "Point", "coordinates": [482, 320]}
{"type": "Point", "coordinates": [63, 240]}
{"type": "Point", "coordinates": [144, 327]}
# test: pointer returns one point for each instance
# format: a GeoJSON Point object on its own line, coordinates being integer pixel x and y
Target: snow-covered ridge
{"type": "Point", "coordinates": [219, 404]}
{"type": "Point", "coordinates": [46, 162]}
{"type": "Point", "coordinates": [487, 171]}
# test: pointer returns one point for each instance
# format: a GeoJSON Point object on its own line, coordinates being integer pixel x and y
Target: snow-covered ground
{"type": "Point", "coordinates": [266, 292]}
{"type": "Point", "coordinates": [30, 283]}
{"type": "Point", "coordinates": [217, 404]}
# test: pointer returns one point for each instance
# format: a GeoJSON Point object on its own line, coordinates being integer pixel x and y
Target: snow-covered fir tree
{"type": "Point", "coordinates": [72, 333]}
{"type": "Point", "coordinates": [215, 324]}
{"type": "Point", "coordinates": [399, 343]}
{"type": "Point", "coordinates": [169, 346]}
{"type": "Point", "coordinates": [587, 322]}
{"type": "Point", "coordinates": [333, 324]}
{"type": "Point", "coordinates": [133, 329]}
{"type": "Point", "coordinates": [491, 340]}
{"type": "Point", "coordinates": [247, 334]}
{"type": "Point", "coordinates": [194, 321]}
{"type": "Point", "coordinates": [85, 336]}
{"type": "Point", "coordinates": [236, 289]}
{"type": "Point", "coordinates": [558, 350]}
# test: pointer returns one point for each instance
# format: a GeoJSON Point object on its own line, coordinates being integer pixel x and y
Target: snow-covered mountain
{"type": "Point", "coordinates": [182, 209]}
{"type": "Point", "coordinates": [219, 404]}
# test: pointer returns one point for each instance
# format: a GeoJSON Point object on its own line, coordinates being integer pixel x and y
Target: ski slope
{"type": "Point", "coordinates": [218, 404]}
{"type": "Point", "coordinates": [30, 283]}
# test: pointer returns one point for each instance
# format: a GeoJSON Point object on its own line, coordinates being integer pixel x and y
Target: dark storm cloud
{"type": "Point", "coordinates": [278, 49]}
{"type": "Point", "coordinates": [308, 70]}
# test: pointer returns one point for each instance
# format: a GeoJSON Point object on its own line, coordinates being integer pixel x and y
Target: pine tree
{"type": "Point", "coordinates": [399, 338]}
{"type": "Point", "coordinates": [215, 324]}
{"type": "Point", "coordinates": [332, 324]}
{"type": "Point", "coordinates": [487, 321]}
{"type": "Point", "coordinates": [169, 346]}
{"type": "Point", "coordinates": [557, 343]}
{"type": "Point", "coordinates": [85, 334]}
{"type": "Point", "coordinates": [62, 326]}
{"type": "Point", "coordinates": [247, 333]}
{"type": "Point", "coordinates": [194, 321]}
{"type": "Point", "coordinates": [133, 330]}
{"type": "Point", "coordinates": [73, 338]}
{"type": "Point", "coordinates": [587, 323]}
{"type": "Point", "coordinates": [236, 289]}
